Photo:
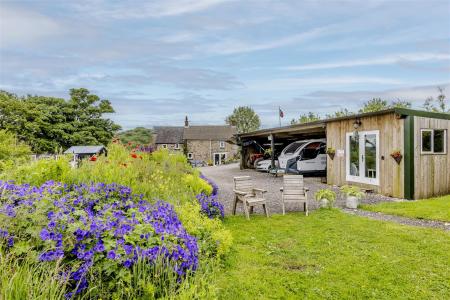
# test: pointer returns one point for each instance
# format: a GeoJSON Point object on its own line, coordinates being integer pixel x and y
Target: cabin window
{"type": "Point", "coordinates": [190, 155]}
{"type": "Point", "coordinates": [177, 146]}
{"type": "Point", "coordinates": [222, 144]}
{"type": "Point", "coordinates": [434, 141]}
{"type": "Point", "coordinates": [164, 146]}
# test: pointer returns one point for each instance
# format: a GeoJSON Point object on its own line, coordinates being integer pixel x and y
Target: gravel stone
{"type": "Point", "coordinates": [223, 177]}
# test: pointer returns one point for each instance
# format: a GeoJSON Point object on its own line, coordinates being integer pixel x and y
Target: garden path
{"type": "Point", "coordinates": [398, 219]}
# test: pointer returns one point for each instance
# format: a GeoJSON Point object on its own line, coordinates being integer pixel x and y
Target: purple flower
{"type": "Point", "coordinates": [111, 255]}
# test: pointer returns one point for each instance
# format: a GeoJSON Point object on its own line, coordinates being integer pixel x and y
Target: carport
{"type": "Point", "coordinates": [276, 139]}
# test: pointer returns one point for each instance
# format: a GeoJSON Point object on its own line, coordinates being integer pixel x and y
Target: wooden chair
{"type": "Point", "coordinates": [249, 196]}
{"type": "Point", "coordinates": [294, 190]}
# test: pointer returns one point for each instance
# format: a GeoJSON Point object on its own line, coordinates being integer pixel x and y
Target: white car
{"type": "Point", "coordinates": [302, 157]}
{"type": "Point", "coordinates": [265, 165]}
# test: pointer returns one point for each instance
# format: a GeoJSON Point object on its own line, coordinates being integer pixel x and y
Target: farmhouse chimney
{"type": "Point", "coordinates": [186, 122]}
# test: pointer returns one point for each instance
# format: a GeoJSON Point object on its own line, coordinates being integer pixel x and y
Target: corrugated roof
{"type": "Point", "coordinates": [209, 132]}
{"type": "Point", "coordinates": [84, 149]}
{"type": "Point", "coordinates": [169, 135]}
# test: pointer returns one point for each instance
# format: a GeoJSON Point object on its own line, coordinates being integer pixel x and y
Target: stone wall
{"type": "Point", "coordinates": [171, 147]}
{"type": "Point", "coordinates": [204, 150]}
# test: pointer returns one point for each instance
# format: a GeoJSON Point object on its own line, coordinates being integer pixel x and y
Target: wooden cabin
{"type": "Point", "coordinates": [400, 153]}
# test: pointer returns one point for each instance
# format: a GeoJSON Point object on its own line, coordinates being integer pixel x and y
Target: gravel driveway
{"type": "Point", "coordinates": [223, 177]}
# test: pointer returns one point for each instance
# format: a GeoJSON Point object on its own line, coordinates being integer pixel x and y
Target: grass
{"type": "Point", "coordinates": [333, 255]}
{"type": "Point", "coordinates": [431, 209]}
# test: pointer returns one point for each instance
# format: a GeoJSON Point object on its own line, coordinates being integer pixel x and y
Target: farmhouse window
{"type": "Point", "coordinates": [164, 146]}
{"type": "Point", "coordinates": [222, 144]}
{"type": "Point", "coordinates": [434, 141]}
{"type": "Point", "coordinates": [177, 146]}
{"type": "Point", "coordinates": [190, 156]}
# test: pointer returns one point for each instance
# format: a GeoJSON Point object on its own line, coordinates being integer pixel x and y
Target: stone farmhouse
{"type": "Point", "coordinates": [213, 144]}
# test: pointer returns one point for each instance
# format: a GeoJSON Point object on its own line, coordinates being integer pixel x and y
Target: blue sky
{"type": "Point", "coordinates": [158, 61]}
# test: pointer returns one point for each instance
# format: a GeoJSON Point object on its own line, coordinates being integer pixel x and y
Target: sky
{"type": "Point", "coordinates": [158, 61]}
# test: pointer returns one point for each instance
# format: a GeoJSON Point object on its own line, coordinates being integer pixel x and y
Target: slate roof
{"type": "Point", "coordinates": [209, 132]}
{"type": "Point", "coordinates": [169, 135]}
{"type": "Point", "coordinates": [84, 149]}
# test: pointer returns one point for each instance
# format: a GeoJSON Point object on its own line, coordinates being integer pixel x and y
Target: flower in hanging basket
{"type": "Point", "coordinates": [331, 152]}
{"type": "Point", "coordinates": [397, 156]}
{"type": "Point", "coordinates": [93, 158]}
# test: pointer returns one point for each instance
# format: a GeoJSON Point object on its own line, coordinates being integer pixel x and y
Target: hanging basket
{"type": "Point", "coordinates": [397, 158]}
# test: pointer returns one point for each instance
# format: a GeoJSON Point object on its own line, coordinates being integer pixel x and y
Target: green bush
{"type": "Point", "coordinates": [12, 151]}
{"type": "Point", "coordinates": [353, 191]}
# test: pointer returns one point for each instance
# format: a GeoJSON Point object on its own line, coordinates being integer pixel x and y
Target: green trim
{"type": "Point", "coordinates": [422, 113]}
{"type": "Point", "coordinates": [409, 157]}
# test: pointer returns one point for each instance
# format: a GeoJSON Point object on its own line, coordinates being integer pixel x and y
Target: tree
{"type": "Point", "coordinates": [138, 135]}
{"type": "Point", "coordinates": [244, 118]}
{"type": "Point", "coordinates": [401, 104]}
{"type": "Point", "coordinates": [343, 112]}
{"type": "Point", "coordinates": [440, 106]}
{"type": "Point", "coordinates": [376, 104]}
{"type": "Point", "coordinates": [305, 118]}
{"type": "Point", "coordinates": [48, 124]}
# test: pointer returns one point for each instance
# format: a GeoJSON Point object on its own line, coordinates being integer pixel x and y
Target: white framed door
{"type": "Point", "coordinates": [219, 158]}
{"type": "Point", "coordinates": [362, 157]}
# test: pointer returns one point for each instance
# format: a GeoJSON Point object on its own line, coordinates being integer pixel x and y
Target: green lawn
{"type": "Point", "coordinates": [432, 209]}
{"type": "Point", "coordinates": [333, 255]}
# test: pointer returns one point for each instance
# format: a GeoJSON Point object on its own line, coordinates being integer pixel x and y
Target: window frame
{"type": "Point", "coordinates": [177, 147]}
{"type": "Point", "coordinates": [432, 130]}
{"type": "Point", "coordinates": [222, 144]}
{"type": "Point", "coordinates": [361, 178]}
{"type": "Point", "coordinates": [190, 155]}
{"type": "Point", "coordinates": [164, 146]}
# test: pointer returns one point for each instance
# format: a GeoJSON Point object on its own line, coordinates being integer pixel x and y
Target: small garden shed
{"type": "Point", "coordinates": [397, 152]}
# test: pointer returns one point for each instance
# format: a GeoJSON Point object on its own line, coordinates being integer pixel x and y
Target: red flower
{"type": "Point", "coordinates": [134, 155]}
{"type": "Point", "coordinates": [140, 156]}
{"type": "Point", "coordinates": [93, 158]}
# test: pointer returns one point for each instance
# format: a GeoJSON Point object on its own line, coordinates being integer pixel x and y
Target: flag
{"type": "Point", "coordinates": [281, 113]}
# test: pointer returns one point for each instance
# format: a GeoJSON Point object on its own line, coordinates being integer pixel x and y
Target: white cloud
{"type": "Point", "coordinates": [20, 26]}
{"type": "Point", "coordinates": [281, 84]}
{"type": "Point", "coordinates": [386, 60]}
{"type": "Point", "coordinates": [152, 9]}
{"type": "Point", "coordinates": [232, 46]}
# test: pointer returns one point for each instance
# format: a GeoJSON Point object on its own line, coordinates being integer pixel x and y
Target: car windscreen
{"type": "Point", "coordinates": [310, 151]}
{"type": "Point", "coordinates": [293, 147]}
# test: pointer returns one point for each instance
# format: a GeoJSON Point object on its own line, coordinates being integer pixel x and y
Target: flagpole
{"type": "Point", "coordinates": [279, 116]}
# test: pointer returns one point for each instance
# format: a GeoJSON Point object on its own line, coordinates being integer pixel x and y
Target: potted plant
{"type": "Point", "coordinates": [354, 194]}
{"type": "Point", "coordinates": [325, 198]}
{"type": "Point", "coordinates": [331, 152]}
{"type": "Point", "coordinates": [397, 156]}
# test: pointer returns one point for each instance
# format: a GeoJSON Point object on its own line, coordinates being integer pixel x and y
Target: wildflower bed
{"type": "Point", "coordinates": [87, 229]}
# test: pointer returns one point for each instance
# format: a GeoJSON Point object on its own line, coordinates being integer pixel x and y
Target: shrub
{"type": "Point", "coordinates": [39, 171]}
{"type": "Point", "coordinates": [101, 229]}
{"type": "Point", "coordinates": [12, 151]}
{"type": "Point", "coordinates": [351, 190]}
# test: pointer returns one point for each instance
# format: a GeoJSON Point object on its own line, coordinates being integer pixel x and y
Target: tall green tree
{"type": "Point", "coordinates": [439, 104]}
{"type": "Point", "coordinates": [244, 119]}
{"type": "Point", "coordinates": [138, 135]}
{"type": "Point", "coordinates": [401, 104]}
{"type": "Point", "coordinates": [48, 124]}
{"type": "Point", "coordinates": [306, 118]}
{"type": "Point", "coordinates": [376, 104]}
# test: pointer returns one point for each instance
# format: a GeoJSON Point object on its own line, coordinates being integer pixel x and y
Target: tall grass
{"type": "Point", "coordinates": [26, 279]}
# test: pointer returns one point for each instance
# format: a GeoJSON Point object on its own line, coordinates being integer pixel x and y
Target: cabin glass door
{"type": "Point", "coordinates": [362, 159]}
